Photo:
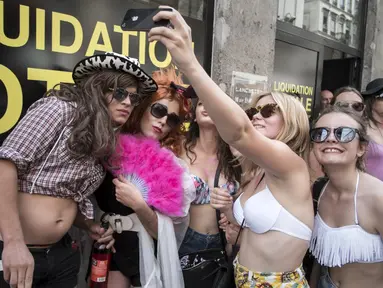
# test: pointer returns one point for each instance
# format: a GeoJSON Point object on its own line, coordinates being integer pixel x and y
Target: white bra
{"type": "Point", "coordinates": [264, 213]}
{"type": "Point", "coordinates": [342, 245]}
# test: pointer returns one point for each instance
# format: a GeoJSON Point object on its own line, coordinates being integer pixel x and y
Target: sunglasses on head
{"type": "Point", "coordinates": [266, 110]}
{"type": "Point", "coordinates": [120, 94]}
{"type": "Point", "coordinates": [159, 111]}
{"type": "Point", "coordinates": [342, 134]}
{"type": "Point", "coordinates": [357, 106]}
{"type": "Point", "coordinates": [188, 92]}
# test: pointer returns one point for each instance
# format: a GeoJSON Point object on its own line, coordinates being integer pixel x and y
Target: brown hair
{"type": "Point", "coordinates": [343, 90]}
{"type": "Point", "coordinates": [362, 122]}
{"type": "Point", "coordinates": [93, 132]}
{"type": "Point", "coordinates": [370, 101]}
{"type": "Point", "coordinates": [163, 77]}
{"type": "Point", "coordinates": [230, 166]}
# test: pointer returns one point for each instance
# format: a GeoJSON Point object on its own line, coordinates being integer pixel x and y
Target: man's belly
{"type": "Point", "coordinates": [45, 219]}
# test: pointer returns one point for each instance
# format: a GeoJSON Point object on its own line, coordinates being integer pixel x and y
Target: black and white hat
{"type": "Point", "coordinates": [114, 61]}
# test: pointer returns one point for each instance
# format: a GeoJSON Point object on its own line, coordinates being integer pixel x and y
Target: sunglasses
{"type": "Point", "coordinates": [159, 111]}
{"type": "Point", "coordinates": [120, 94]}
{"type": "Point", "coordinates": [342, 134]}
{"type": "Point", "coordinates": [266, 110]}
{"type": "Point", "coordinates": [357, 106]}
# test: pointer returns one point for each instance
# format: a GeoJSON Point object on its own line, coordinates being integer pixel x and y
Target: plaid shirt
{"type": "Point", "coordinates": [41, 136]}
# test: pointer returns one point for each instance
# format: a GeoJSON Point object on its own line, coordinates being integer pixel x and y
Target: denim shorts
{"type": "Point", "coordinates": [56, 266]}
{"type": "Point", "coordinates": [195, 241]}
{"type": "Point", "coordinates": [325, 280]}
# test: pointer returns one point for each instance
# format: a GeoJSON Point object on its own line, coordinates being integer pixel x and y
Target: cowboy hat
{"type": "Point", "coordinates": [114, 61]}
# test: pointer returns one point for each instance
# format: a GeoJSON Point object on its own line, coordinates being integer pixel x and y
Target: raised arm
{"type": "Point", "coordinates": [231, 121]}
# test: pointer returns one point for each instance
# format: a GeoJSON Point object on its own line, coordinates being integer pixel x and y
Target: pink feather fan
{"type": "Point", "coordinates": [152, 169]}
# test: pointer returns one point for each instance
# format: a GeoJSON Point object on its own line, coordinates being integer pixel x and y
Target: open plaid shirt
{"type": "Point", "coordinates": [61, 176]}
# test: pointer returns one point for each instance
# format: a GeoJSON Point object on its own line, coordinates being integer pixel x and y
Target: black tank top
{"type": "Point", "coordinates": [106, 198]}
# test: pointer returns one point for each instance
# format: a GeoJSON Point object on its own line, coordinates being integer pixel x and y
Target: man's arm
{"type": "Point", "coordinates": [10, 226]}
{"type": "Point", "coordinates": [18, 263]}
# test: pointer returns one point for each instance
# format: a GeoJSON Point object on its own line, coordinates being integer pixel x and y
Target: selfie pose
{"type": "Point", "coordinates": [49, 166]}
{"type": "Point", "coordinates": [158, 118]}
{"type": "Point", "coordinates": [347, 237]}
{"type": "Point", "coordinates": [276, 204]}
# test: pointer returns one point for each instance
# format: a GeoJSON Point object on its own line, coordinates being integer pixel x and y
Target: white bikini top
{"type": "Point", "coordinates": [263, 213]}
{"type": "Point", "coordinates": [347, 244]}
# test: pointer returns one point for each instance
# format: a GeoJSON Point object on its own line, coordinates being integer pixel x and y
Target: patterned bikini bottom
{"type": "Point", "coordinates": [244, 278]}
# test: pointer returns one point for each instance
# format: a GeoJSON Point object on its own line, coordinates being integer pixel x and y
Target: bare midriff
{"type": "Point", "coordinates": [357, 275]}
{"type": "Point", "coordinates": [45, 219]}
{"type": "Point", "coordinates": [203, 219]}
{"type": "Point", "coordinates": [272, 251]}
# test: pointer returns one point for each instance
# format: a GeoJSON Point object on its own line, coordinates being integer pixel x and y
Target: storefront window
{"type": "Point", "coordinates": [338, 20]}
{"type": "Point", "coordinates": [332, 24]}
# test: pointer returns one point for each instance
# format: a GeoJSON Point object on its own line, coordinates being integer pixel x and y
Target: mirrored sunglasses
{"type": "Point", "coordinates": [342, 134]}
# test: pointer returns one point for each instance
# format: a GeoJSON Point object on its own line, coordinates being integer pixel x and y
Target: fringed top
{"type": "Point", "coordinates": [342, 245]}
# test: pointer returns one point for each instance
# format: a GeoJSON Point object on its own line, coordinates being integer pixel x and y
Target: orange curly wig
{"type": "Point", "coordinates": [163, 77]}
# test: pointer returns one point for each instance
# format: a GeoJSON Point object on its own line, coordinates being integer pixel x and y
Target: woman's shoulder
{"type": "Point", "coordinates": [372, 187]}
{"type": "Point", "coordinates": [370, 182]}
{"type": "Point", "coordinates": [370, 197]}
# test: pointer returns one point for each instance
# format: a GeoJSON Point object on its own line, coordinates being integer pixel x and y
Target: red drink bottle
{"type": "Point", "coordinates": [101, 257]}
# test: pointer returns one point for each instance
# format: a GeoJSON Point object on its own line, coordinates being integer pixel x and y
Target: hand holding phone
{"type": "Point", "coordinates": [178, 42]}
{"type": "Point", "coordinates": [142, 19]}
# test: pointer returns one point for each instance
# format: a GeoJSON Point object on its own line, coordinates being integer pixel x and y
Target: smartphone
{"type": "Point", "coordinates": [142, 19]}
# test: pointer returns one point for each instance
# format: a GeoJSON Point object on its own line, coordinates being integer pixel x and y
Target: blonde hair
{"type": "Point", "coordinates": [294, 132]}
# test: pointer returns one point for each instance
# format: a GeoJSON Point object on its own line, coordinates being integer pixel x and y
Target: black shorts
{"type": "Point", "coordinates": [127, 256]}
{"type": "Point", "coordinates": [56, 266]}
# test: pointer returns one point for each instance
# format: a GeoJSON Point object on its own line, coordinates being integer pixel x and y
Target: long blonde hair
{"type": "Point", "coordinates": [294, 132]}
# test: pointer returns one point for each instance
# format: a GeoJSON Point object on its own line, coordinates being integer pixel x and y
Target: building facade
{"type": "Point", "coordinates": [302, 47]}
{"type": "Point", "coordinates": [334, 19]}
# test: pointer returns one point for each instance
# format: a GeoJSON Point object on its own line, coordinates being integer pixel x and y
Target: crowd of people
{"type": "Point", "coordinates": [283, 193]}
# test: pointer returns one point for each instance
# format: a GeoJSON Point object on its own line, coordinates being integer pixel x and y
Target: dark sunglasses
{"type": "Point", "coordinates": [120, 94]}
{"type": "Point", "coordinates": [342, 134]}
{"type": "Point", "coordinates": [266, 110]}
{"type": "Point", "coordinates": [159, 111]}
{"type": "Point", "coordinates": [357, 106]}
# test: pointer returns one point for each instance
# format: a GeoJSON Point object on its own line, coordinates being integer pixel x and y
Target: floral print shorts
{"type": "Point", "coordinates": [244, 278]}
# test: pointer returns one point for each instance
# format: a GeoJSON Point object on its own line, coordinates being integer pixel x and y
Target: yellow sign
{"type": "Point", "coordinates": [100, 40]}
{"type": "Point", "coordinates": [306, 93]}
